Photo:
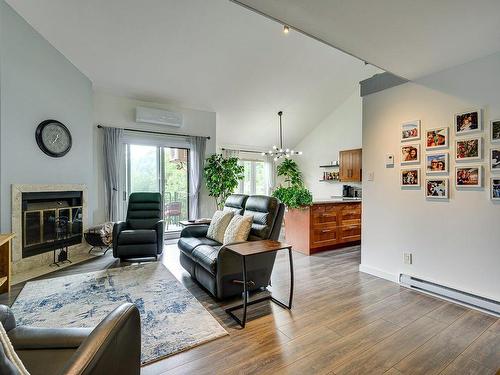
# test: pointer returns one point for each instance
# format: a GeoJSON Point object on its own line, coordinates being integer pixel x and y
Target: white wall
{"type": "Point", "coordinates": [341, 130]}
{"type": "Point", "coordinates": [38, 83]}
{"type": "Point", "coordinates": [454, 243]}
{"type": "Point", "coordinates": [118, 111]}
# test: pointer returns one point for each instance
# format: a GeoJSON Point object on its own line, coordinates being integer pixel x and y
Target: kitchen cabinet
{"type": "Point", "coordinates": [350, 165]}
{"type": "Point", "coordinates": [323, 226]}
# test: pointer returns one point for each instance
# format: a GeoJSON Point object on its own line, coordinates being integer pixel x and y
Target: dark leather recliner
{"type": "Point", "coordinates": [141, 235]}
{"type": "Point", "coordinates": [113, 347]}
{"type": "Point", "coordinates": [236, 203]}
{"type": "Point", "coordinates": [214, 267]}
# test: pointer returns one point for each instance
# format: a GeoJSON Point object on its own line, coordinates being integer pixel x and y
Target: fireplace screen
{"type": "Point", "coordinates": [51, 220]}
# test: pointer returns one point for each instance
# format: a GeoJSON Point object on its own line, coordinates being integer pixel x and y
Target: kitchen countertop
{"type": "Point", "coordinates": [336, 200]}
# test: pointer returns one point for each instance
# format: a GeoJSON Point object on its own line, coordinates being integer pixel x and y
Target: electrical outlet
{"type": "Point", "coordinates": [408, 258]}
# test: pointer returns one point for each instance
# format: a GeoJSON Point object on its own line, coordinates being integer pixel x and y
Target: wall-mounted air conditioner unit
{"type": "Point", "coordinates": [158, 116]}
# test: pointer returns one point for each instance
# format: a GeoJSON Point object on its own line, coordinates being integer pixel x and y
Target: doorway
{"type": "Point", "coordinates": [153, 168]}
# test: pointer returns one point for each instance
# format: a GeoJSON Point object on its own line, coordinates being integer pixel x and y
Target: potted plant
{"type": "Point", "coordinates": [222, 176]}
{"type": "Point", "coordinates": [297, 199]}
{"type": "Point", "coordinates": [295, 195]}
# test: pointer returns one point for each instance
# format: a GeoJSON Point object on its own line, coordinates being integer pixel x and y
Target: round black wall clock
{"type": "Point", "coordinates": [53, 138]}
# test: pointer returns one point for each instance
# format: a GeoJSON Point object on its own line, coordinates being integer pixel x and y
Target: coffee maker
{"type": "Point", "coordinates": [349, 191]}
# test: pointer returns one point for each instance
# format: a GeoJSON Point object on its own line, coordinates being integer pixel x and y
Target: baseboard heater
{"type": "Point", "coordinates": [464, 298]}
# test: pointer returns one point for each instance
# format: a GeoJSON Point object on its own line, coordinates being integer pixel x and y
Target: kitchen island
{"type": "Point", "coordinates": [327, 224]}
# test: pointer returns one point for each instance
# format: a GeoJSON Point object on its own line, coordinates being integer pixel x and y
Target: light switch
{"type": "Point", "coordinates": [371, 176]}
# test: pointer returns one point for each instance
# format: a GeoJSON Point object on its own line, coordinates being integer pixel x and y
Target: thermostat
{"type": "Point", "coordinates": [389, 160]}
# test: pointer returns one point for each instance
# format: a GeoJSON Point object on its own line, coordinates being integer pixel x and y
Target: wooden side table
{"type": "Point", "coordinates": [187, 223]}
{"type": "Point", "coordinates": [5, 250]}
{"type": "Point", "coordinates": [248, 249]}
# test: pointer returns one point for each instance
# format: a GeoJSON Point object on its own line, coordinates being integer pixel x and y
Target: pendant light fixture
{"type": "Point", "coordinates": [281, 151]}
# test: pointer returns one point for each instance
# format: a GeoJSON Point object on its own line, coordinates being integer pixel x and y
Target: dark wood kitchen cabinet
{"type": "Point", "coordinates": [350, 165]}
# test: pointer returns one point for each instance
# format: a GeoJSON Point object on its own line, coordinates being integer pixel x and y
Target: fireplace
{"type": "Point", "coordinates": [50, 220]}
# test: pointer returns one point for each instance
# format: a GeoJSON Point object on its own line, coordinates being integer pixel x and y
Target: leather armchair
{"type": "Point", "coordinates": [141, 235]}
{"type": "Point", "coordinates": [113, 347]}
{"type": "Point", "coordinates": [214, 267]}
{"type": "Point", "coordinates": [236, 203]}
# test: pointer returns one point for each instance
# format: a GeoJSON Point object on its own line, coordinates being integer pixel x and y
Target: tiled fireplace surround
{"type": "Point", "coordinates": [39, 264]}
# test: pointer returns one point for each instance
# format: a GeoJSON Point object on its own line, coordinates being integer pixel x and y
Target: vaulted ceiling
{"type": "Point", "coordinates": [213, 55]}
{"type": "Point", "coordinates": [410, 38]}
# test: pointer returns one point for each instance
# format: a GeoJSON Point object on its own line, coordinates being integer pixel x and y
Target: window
{"type": "Point", "coordinates": [254, 180]}
{"type": "Point", "coordinates": [158, 168]}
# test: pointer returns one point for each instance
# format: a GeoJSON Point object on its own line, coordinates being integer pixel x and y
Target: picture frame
{"type": "Point", "coordinates": [437, 163]}
{"type": "Point", "coordinates": [437, 138]}
{"type": "Point", "coordinates": [437, 188]}
{"type": "Point", "coordinates": [495, 131]}
{"type": "Point", "coordinates": [410, 153]}
{"type": "Point", "coordinates": [410, 131]}
{"type": "Point", "coordinates": [495, 188]}
{"type": "Point", "coordinates": [410, 177]}
{"type": "Point", "coordinates": [469, 176]}
{"type": "Point", "coordinates": [468, 122]}
{"type": "Point", "coordinates": [469, 149]}
{"type": "Point", "coordinates": [495, 159]}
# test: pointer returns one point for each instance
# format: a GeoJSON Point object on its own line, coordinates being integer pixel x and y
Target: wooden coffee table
{"type": "Point", "coordinates": [248, 249]}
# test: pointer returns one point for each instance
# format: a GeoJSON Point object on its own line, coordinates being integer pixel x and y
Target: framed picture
{"type": "Point", "coordinates": [495, 188]}
{"type": "Point", "coordinates": [410, 153]}
{"type": "Point", "coordinates": [410, 131]}
{"type": "Point", "coordinates": [468, 149]}
{"type": "Point", "coordinates": [495, 131]}
{"type": "Point", "coordinates": [437, 138]}
{"type": "Point", "coordinates": [410, 177]}
{"type": "Point", "coordinates": [467, 122]}
{"type": "Point", "coordinates": [436, 188]}
{"type": "Point", "coordinates": [469, 176]}
{"type": "Point", "coordinates": [437, 162]}
{"type": "Point", "coordinates": [495, 159]}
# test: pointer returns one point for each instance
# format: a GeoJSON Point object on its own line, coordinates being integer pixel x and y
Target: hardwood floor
{"type": "Point", "coordinates": [342, 322]}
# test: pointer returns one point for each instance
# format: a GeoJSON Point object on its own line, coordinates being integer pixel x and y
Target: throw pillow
{"type": "Point", "coordinates": [238, 229]}
{"type": "Point", "coordinates": [218, 225]}
{"type": "Point", "coordinates": [10, 362]}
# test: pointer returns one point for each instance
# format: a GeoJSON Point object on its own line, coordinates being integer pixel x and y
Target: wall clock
{"type": "Point", "coordinates": [53, 138]}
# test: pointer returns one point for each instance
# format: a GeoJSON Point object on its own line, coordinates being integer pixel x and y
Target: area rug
{"type": "Point", "coordinates": [172, 320]}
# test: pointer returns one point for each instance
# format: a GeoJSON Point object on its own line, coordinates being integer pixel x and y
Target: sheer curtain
{"type": "Point", "coordinates": [113, 152]}
{"type": "Point", "coordinates": [270, 171]}
{"type": "Point", "coordinates": [196, 162]}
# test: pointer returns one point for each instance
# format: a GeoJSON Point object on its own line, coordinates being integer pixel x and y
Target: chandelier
{"type": "Point", "coordinates": [281, 152]}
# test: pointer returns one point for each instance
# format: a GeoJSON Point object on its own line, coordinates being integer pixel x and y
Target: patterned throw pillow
{"type": "Point", "coordinates": [10, 362]}
{"type": "Point", "coordinates": [238, 229]}
{"type": "Point", "coordinates": [218, 225]}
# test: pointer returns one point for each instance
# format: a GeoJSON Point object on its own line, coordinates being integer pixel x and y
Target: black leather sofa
{"type": "Point", "coordinates": [141, 235]}
{"type": "Point", "coordinates": [214, 267]}
{"type": "Point", "coordinates": [113, 347]}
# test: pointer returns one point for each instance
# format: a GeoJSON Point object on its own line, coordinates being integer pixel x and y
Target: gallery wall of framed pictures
{"type": "Point", "coordinates": [468, 154]}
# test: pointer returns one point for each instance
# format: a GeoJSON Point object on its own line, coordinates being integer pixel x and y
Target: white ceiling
{"type": "Point", "coordinates": [212, 55]}
{"type": "Point", "coordinates": [410, 38]}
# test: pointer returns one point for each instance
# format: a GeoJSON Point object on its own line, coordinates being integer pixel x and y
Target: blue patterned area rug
{"type": "Point", "coordinates": [172, 319]}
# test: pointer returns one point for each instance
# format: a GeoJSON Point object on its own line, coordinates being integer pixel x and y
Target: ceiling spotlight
{"type": "Point", "coordinates": [286, 29]}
